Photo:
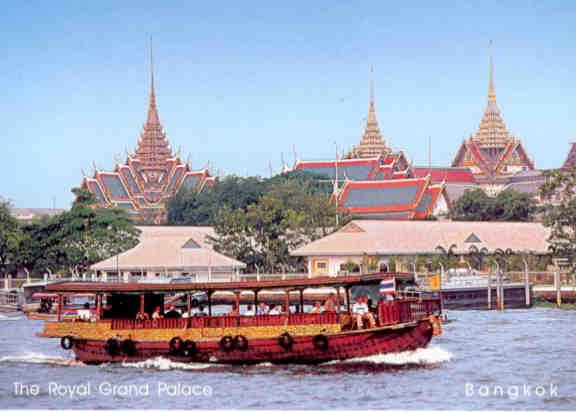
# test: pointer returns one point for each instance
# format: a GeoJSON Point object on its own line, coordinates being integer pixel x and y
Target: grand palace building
{"type": "Point", "coordinates": [374, 182]}
{"type": "Point", "coordinates": [149, 176]}
{"type": "Point", "coordinates": [371, 180]}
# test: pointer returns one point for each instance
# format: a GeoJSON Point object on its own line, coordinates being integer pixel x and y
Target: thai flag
{"type": "Point", "coordinates": [388, 286]}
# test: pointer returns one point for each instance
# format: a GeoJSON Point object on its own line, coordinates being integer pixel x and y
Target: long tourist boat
{"type": "Point", "coordinates": [398, 321]}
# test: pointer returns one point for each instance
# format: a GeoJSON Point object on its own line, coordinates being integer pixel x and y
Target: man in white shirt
{"type": "Point", "coordinates": [361, 312]}
{"type": "Point", "coordinates": [276, 310]}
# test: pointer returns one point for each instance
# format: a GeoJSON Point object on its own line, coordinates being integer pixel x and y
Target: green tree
{"type": "Point", "coordinates": [559, 195]}
{"type": "Point", "coordinates": [71, 241]}
{"type": "Point", "coordinates": [263, 233]}
{"type": "Point", "coordinates": [508, 205]}
{"type": "Point", "coordinates": [190, 207]}
{"type": "Point", "coordinates": [10, 238]}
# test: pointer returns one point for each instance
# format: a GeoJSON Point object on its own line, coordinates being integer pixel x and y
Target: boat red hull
{"type": "Point", "coordinates": [340, 346]}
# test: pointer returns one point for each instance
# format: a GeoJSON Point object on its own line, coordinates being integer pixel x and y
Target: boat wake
{"type": "Point", "coordinates": [163, 364]}
{"type": "Point", "coordinates": [38, 358]}
{"type": "Point", "coordinates": [424, 357]}
{"type": "Point", "coordinates": [9, 318]}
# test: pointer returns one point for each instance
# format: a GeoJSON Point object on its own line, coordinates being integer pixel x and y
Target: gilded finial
{"type": "Point", "coordinates": [371, 85]}
{"type": "Point", "coordinates": [491, 88]}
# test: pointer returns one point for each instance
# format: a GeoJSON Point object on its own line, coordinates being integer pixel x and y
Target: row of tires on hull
{"type": "Point", "coordinates": [179, 347]}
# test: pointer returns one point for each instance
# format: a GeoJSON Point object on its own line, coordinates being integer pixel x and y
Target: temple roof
{"type": "Point", "coordinates": [397, 199]}
{"type": "Point", "coordinates": [492, 152]}
{"type": "Point", "coordinates": [348, 169]}
{"type": "Point", "coordinates": [445, 174]}
{"type": "Point", "coordinates": [150, 175]}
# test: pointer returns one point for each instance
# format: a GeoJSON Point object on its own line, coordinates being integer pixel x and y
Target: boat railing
{"type": "Point", "coordinates": [408, 310]}
{"type": "Point", "coordinates": [227, 321]}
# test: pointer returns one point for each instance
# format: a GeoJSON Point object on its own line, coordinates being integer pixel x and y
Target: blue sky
{"type": "Point", "coordinates": [239, 83]}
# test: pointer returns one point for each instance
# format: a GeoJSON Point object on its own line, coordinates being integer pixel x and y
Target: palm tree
{"type": "Point", "coordinates": [445, 257]}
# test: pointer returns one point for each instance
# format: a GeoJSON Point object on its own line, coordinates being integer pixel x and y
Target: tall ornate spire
{"type": "Point", "coordinates": [152, 109]}
{"type": "Point", "coordinates": [153, 148]}
{"type": "Point", "coordinates": [492, 132]}
{"type": "Point", "coordinates": [491, 88]}
{"type": "Point", "coordinates": [372, 144]}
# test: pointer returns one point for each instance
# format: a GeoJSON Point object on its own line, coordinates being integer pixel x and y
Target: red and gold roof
{"type": "Point", "coordinates": [149, 176]}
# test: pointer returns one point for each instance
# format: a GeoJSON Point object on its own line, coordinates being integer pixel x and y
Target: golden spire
{"type": "Point", "coordinates": [153, 117]}
{"type": "Point", "coordinates": [491, 88]}
{"type": "Point", "coordinates": [371, 121]}
{"type": "Point", "coordinates": [372, 144]}
{"type": "Point", "coordinates": [153, 148]}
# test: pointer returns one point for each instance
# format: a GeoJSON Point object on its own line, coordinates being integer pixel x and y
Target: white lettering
{"type": "Point", "coordinates": [554, 390]}
{"type": "Point", "coordinates": [540, 391]}
{"type": "Point", "coordinates": [183, 389]}
{"type": "Point", "coordinates": [71, 391]}
{"type": "Point", "coordinates": [513, 392]}
{"type": "Point", "coordinates": [484, 390]}
{"type": "Point", "coordinates": [131, 390]}
{"type": "Point", "coordinates": [24, 389]}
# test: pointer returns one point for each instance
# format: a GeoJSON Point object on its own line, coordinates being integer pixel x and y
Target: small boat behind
{"type": "Point", "coordinates": [45, 306]}
{"type": "Point", "coordinates": [362, 316]}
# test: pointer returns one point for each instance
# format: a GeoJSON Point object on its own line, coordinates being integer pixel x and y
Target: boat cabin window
{"type": "Point", "coordinates": [127, 306]}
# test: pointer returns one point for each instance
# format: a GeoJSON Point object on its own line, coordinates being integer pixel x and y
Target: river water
{"type": "Point", "coordinates": [519, 359]}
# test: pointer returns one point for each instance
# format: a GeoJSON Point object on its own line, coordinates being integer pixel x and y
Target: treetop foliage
{"type": "Point", "coordinates": [508, 205]}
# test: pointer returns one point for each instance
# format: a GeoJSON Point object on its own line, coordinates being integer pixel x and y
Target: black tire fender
{"type": "Point", "coordinates": [286, 341]}
{"type": "Point", "coordinates": [176, 345]}
{"type": "Point", "coordinates": [240, 342]}
{"type": "Point", "coordinates": [189, 348]}
{"type": "Point", "coordinates": [227, 343]}
{"type": "Point", "coordinates": [112, 347]}
{"type": "Point", "coordinates": [129, 347]}
{"type": "Point", "coordinates": [320, 342]}
{"type": "Point", "coordinates": [67, 342]}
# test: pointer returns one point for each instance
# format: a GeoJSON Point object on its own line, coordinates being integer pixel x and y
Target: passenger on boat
{"type": "Point", "coordinates": [249, 311]}
{"type": "Point", "coordinates": [157, 313]}
{"type": "Point", "coordinates": [200, 311]}
{"type": "Point", "coordinates": [276, 310]}
{"type": "Point", "coordinates": [317, 308]}
{"type": "Point", "coordinates": [330, 303]}
{"type": "Point", "coordinates": [84, 315]}
{"type": "Point", "coordinates": [234, 311]}
{"type": "Point", "coordinates": [142, 316]}
{"type": "Point", "coordinates": [172, 313]}
{"type": "Point", "coordinates": [361, 312]}
{"type": "Point", "coordinates": [262, 309]}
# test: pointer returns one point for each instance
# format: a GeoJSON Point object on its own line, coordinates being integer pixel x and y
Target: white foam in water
{"type": "Point", "coordinates": [164, 364]}
{"type": "Point", "coordinates": [8, 318]}
{"type": "Point", "coordinates": [264, 365]}
{"type": "Point", "coordinates": [39, 358]}
{"type": "Point", "coordinates": [423, 356]}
